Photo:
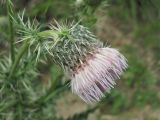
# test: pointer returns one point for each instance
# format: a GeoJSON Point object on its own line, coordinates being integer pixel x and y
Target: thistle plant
{"type": "Point", "coordinates": [91, 66]}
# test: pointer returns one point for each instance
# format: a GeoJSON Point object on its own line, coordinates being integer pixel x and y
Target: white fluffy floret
{"type": "Point", "coordinates": [98, 74]}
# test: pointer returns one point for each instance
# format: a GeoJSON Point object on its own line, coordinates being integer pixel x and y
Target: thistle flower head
{"type": "Point", "coordinates": [92, 67]}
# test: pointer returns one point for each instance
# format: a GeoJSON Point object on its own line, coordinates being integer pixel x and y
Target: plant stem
{"type": "Point", "coordinates": [18, 58]}
{"type": "Point", "coordinates": [11, 28]}
{"type": "Point", "coordinates": [51, 94]}
{"type": "Point", "coordinates": [48, 34]}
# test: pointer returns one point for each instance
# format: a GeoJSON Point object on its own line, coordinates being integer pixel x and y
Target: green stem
{"type": "Point", "coordinates": [18, 57]}
{"type": "Point", "coordinates": [11, 28]}
{"type": "Point", "coordinates": [51, 94]}
{"type": "Point", "coordinates": [48, 34]}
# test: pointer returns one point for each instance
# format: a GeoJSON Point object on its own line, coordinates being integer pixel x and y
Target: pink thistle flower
{"type": "Point", "coordinates": [92, 68]}
{"type": "Point", "coordinates": [96, 74]}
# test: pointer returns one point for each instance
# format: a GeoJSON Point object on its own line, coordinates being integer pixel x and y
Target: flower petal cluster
{"type": "Point", "coordinates": [97, 74]}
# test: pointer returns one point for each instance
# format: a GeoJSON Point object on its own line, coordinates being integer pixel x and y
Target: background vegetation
{"type": "Point", "coordinates": [133, 26]}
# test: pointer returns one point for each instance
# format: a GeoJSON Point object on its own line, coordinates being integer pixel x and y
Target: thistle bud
{"type": "Point", "coordinates": [92, 67]}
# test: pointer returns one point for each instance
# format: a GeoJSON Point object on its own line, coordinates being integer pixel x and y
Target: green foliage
{"type": "Point", "coordinates": [136, 10]}
{"type": "Point", "coordinates": [117, 101]}
{"type": "Point", "coordinates": [143, 97]}
{"type": "Point", "coordinates": [83, 115]}
{"type": "Point", "coordinates": [138, 74]}
{"type": "Point", "coordinates": [148, 34]}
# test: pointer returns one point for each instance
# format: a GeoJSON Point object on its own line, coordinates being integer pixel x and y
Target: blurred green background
{"type": "Point", "coordinates": [132, 26]}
